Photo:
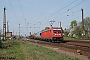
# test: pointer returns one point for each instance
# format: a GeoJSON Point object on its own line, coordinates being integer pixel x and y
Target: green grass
{"type": "Point", "coordinates": [24, 51]}
{"type": "Point", "coordinates": [69, 38]}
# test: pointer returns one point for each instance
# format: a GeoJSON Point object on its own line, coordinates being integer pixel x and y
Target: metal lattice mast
{"type": "Point", "coordinates": [4, 25]}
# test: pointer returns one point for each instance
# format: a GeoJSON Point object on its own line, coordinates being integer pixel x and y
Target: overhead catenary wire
{"type": "Point", "coordinates": [65, 6]}
{"type": "Point", "coordinates": [63, 13]}
{"type": "Point", "coordinates": [79, 17]}
{"type": "Point", "coordinates": [47, 18]}
{"type": "Point", "coordinates": [51, 7]}
{"type": "Point", "coordinates": [14, 15]}
{"type": "Point", "coordinates": [61, 9]}
{"type": "Point", "coordinates": [74, 13]}
{"type": "Point", "coordinates": [21, 10]}
{"type": "Point", "coordinates": [70, 9]}
{"type": "Point", "coordinates": [77, 4]}
{"type": "Point", "coordinates": [13, 11]}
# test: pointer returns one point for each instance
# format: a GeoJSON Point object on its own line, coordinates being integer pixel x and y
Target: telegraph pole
{"type": "Point", "coordinates": [4, 25]}
{"type": "Point", "coordinates": [83, 32]}
{"type": "Point", "coordinates": [19, 30]}
{"type": "Point", "coordinates": [27, 29]}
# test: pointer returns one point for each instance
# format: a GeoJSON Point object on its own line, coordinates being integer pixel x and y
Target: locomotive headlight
{"type": "Point", "coordinates": [54, 34]}
{"type": "Point", "coordinates": [61, 34]}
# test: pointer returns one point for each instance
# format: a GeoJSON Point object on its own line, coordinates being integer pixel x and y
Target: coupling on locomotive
{"type": "Point", "coordinates": [51, 34]}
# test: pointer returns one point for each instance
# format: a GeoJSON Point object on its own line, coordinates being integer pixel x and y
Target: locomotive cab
{"type": "Point", "coordinates": [52, 34]}
{"type": "Point", "coordinates": [57, 34]}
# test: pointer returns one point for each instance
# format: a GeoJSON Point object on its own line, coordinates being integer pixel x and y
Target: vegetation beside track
{"type": "Point", "coordinates": [70, 38]}
{"type": "Point", "coordinates": [17, 50]}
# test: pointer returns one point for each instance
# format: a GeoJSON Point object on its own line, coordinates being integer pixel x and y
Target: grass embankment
{"type": "Point", "coordinates": [17, 50]}
{"type": "Point", "coordinates": [69, 38]}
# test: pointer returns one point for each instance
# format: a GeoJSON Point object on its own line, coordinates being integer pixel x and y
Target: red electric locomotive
{"type": "Point", "coordinates": [52, 34]}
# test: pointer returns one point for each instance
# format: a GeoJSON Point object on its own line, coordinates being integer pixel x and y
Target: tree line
{"type": "Point", "coordinates": [75, 29]}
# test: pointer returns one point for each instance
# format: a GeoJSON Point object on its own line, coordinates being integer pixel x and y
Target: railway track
{"type": "Point", "coordinates": [71, 46]}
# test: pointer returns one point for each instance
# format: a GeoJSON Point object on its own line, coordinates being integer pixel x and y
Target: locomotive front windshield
{"type": "Point", "coordinates": [57, 31]}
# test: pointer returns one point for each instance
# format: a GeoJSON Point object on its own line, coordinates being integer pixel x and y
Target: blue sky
{"type": "Point", "coordinates": [37, 14]}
